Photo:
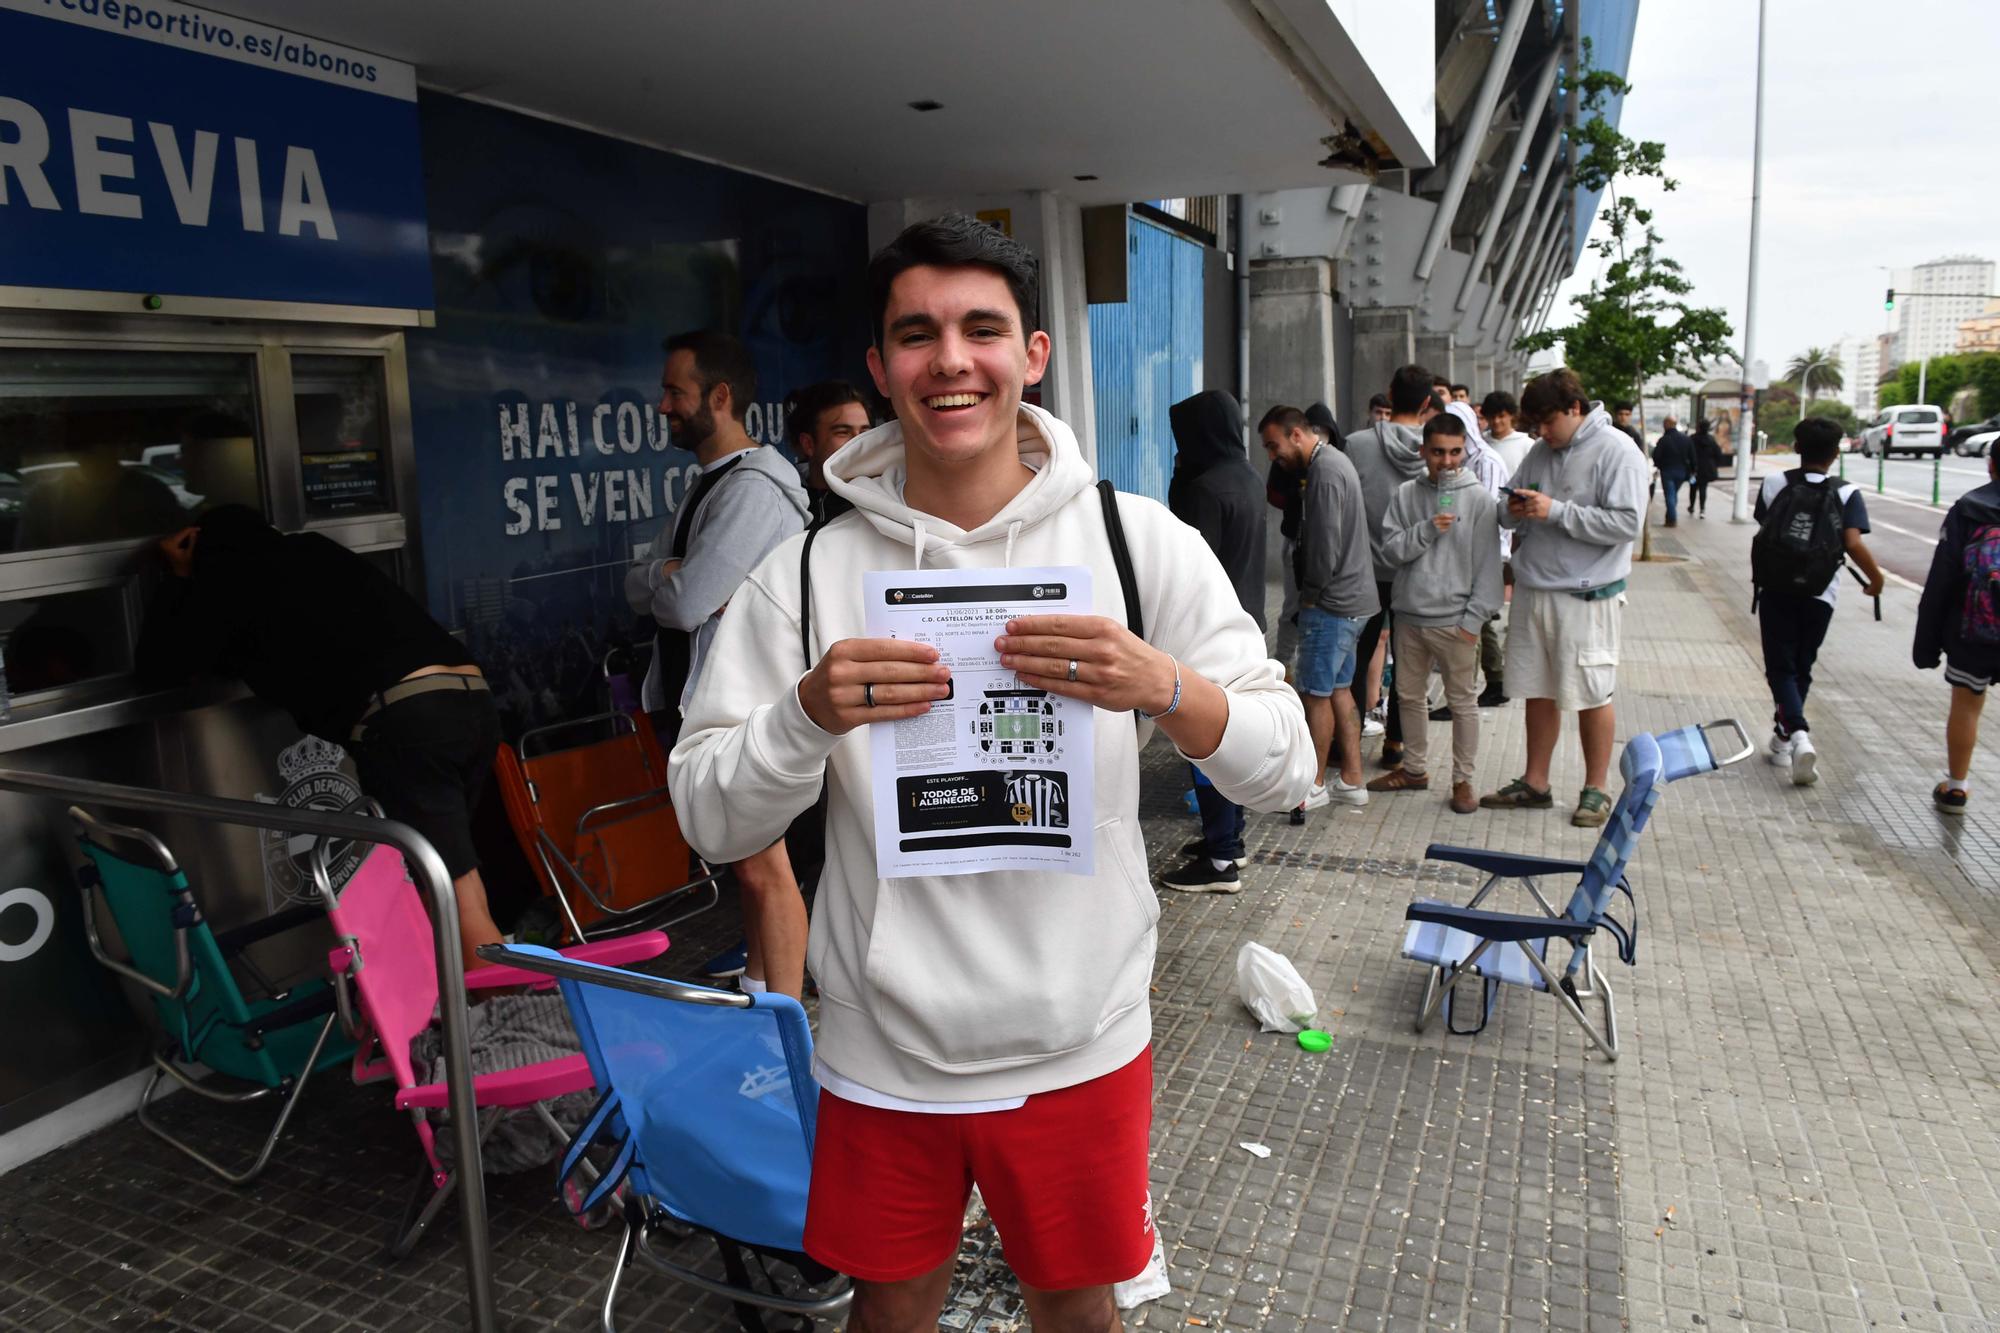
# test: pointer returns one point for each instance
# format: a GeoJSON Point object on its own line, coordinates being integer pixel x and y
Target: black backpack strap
{"type": "Point", "coordinates": [806, 591]}
{"type": "Point", "coordinates": [1121, 556]}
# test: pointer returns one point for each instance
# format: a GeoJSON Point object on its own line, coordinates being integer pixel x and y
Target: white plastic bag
{"type": "Point", "coordinates": [1150, 1285]}
{"type": "Point", "coordinates": [1273, 989]}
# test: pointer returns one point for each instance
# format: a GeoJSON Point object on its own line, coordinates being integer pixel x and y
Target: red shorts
{"type": "Point", "coordinates": [1064, 1177]}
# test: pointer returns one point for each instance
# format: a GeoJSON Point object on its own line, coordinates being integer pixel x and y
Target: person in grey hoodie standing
{"type": "Point", "coordinates": [1442, 533]}
{"type": "Point", "coordinates": [1216, 492]}
{"type": "Point", "coordinates": [746, 501]}
{"type": "Point", "coordinates": [1386, 455]}
{"type": "Point", "coordinates": [1576, 505]}
{"type": "Point", "coordinates": [1336, 596]}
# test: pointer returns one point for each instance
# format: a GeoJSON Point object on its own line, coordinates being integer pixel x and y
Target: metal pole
{"type": "Point", "coordinates": [422, 859]}
{"type": "Point", "coordinates": [1474, 138]}
{"type": "Point", "coordinates": [1530, 221]}
{"type": "Point", "coordinates": [1881, 467]}
{"type": "Point", "coordinates": [1923, 376]}
{"type": "Point", "coordinates": [1740, 506]}
{"type": "Point", "coordinates": [1240, 203]}
{"type": "Point", "coordinates": [1503, 194]}
{"type": "Point", "coordinates": [1937, 474]}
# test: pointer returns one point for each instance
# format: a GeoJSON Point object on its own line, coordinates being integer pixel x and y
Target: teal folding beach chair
{"type": "Point", "coordinates": [273, 1042]}
{"type": "Point", "coordinates": [1513, 949]}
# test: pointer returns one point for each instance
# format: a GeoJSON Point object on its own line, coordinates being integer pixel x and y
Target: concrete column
{"type": "Point", "coordinates": [1291, 334]}
{"type": "Point", "coordinates": [1434, 353]}
{"type": "Point", "coordinates": [1385, 337]}
{"type": "Point", "coordinates": [1483, 372]}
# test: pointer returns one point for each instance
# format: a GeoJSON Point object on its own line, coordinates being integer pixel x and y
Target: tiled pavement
{"type": "Point", "coordinates": [1804, 1131]}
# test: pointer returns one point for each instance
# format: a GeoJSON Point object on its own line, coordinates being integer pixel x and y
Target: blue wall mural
{"type": "Point", "coordinates": [561, 260]}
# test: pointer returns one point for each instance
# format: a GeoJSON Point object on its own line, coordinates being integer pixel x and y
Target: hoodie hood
{"type": "Point", "coordinates": [780, 469]}
{"type": "Point", "coordinates": [1463, 479]}
{"type": "Point", "coordinates": [1208, 429]}
{"type": "Point", "coordinates": [232, 531]}
{"type": "Point", "coordinates": [869, 471]}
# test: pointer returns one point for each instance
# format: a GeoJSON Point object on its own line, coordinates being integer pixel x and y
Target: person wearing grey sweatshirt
{"type": "Point", "coordinates": [1576, 505]}
{"type": "Point", "coordinates": [1442, 536]}
{"type": "Point", "coordinates": [1336, 595]}
{"type": "Point", "coordinates": [746, 501]}
{"type": "Point", "coordinates": [1386, 455]}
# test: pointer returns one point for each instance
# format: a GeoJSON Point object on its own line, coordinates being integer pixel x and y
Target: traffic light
{"type": "Point", "coordinates": [1889, 299]}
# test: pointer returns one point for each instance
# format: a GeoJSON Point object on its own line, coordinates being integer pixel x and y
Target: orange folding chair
{"type": "Point", "coordinates": [588, 800]}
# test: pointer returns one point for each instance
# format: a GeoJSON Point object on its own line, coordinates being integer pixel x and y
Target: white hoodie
{"type": "Point", "coordinates": [972, 987]}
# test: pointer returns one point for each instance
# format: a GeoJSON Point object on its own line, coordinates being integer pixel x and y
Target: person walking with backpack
{"type": "Point", "coordinates": [1959, 620]}
{"type": "Point", "coordinates": [1809, 524]}
{"type": "Point", "coordinates": [1674, 457]}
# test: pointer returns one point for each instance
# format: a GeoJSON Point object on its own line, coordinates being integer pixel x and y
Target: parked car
{"type": "Point", "coordinates": [1905, 429]}
{"type": "Point", "coordinates": [1959, 438]}
{"type": "Point", "coordinates": [1980, 445]}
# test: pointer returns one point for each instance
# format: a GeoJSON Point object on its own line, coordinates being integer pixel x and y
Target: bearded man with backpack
{"type": "Point", "coordinates": [1959, 620]}
{"type": "Point", "coordinates": [1809, 524]}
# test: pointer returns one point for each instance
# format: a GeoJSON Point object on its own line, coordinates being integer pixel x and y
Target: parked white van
{"type": "Point", "coordinates": [1905, 429]}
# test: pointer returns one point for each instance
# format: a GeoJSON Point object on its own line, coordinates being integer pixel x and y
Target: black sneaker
{"type": "Point", "coordinates": [1442, 713]}
{"type": "Point", "coordinates": [1492, 696]}
{"type": "Point", "coordinates": [1950, 800]}
{"type": "Point", "coordinates": [1200, 848]}
{"type": "Point", "coordinates": [1199, 875]}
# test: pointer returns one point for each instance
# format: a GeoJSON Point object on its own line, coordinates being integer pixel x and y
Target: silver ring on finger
{"type": "Point", "coordinates": [1072, 670]}
{"type": "Point", "coordinates": [868, 694]}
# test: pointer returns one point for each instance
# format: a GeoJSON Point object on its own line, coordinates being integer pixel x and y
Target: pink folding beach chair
{"type": "Point", "coordinates": [386, 967]}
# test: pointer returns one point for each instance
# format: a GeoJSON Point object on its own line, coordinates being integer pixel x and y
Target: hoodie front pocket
{"type": "Point", "coordinates": [981, 972]}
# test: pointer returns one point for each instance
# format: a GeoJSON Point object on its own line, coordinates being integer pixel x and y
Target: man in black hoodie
{"type": "Point", "coordinates": [312, 627]}
{"type": "Point", "coordinates": [1673, 455]}
{"type": "Point", "coordinates": [1959, 620]}
{"type": "Point", "coordinates": [1215, 491]}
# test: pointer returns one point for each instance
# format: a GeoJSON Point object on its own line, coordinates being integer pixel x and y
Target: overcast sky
{"type": "Point", "coordinates": [1881, 147]}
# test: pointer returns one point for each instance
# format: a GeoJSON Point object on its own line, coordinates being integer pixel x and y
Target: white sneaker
{"type": "Point", "coordinates": [1316, 798]}
{"type": "Point", "coordinates": [1805, 760]}
{"type": "Point", "coordinates": [1339, 791]}
{"type": "Point", "coordinates": [1372, 728]}
{"type": "Point", "coordinates": [1781, 750]}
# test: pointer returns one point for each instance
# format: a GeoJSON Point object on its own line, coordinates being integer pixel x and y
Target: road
{"type": "Point", "coordinates": [1904, 522]}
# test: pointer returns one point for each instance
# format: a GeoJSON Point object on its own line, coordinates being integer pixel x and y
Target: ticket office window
{"type": "Point", "coordinates": [102, 445]}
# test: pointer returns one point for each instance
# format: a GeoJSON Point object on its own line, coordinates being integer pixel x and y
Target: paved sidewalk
{"type": "Point", "coordinates": [1803, 1133]}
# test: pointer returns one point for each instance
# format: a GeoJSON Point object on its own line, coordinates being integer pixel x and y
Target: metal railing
{"type": "Point", "coordinates": [427, 869]}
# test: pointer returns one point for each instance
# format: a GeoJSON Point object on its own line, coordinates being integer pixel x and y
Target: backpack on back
{"type": "Point", "coordinates": [1980, 621]}
{"type": "Point", "coordinates": [1803, 539]}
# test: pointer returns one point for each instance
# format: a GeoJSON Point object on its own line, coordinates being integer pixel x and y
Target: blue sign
{"type": "Point", "coordinates": [151, 147]}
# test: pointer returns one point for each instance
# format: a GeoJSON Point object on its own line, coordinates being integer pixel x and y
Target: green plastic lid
{"type": "Point", "coordinates": [1316, 1041]}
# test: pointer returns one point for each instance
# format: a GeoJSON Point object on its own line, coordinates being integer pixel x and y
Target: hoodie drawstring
{"type": "Point", "coordinates": [1013, 531]}
{"type": "Point", "coordinates": [917, 526]}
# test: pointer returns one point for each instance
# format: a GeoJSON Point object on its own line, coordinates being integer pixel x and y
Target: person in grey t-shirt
{"type": "Point", "coordinates": [1336, 592]}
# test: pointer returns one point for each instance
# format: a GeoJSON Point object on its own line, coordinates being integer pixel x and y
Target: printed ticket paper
{"type": "Point", "coordinates": [998, 776]}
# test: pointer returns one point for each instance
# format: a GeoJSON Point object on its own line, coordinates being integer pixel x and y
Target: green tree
{"type": "Point", "coordinates": [1985, 372]}
{"type": "Point", "coordinates": [1635, 321]}
{"type": "Point", "coordinates": [1945, 377]}
{"type": "Point", "coordinates": [1778, 413]}
{"type": "Point", "coordinates": [1820, 370]}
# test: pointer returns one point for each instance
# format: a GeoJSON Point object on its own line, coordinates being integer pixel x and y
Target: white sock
{"type": "Point", "coordinates": [750, 985]}
{"type": "Point", "coordinates": [1963, 784]}
{"type": "Point", "coordinates": [1218, 863]}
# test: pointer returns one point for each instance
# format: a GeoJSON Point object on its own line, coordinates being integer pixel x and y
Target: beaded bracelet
{"type": "Point", "coordinates": [1168, 711]}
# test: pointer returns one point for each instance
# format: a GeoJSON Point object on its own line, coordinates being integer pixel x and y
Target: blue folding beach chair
{"type": "Point", "coordinates": [1457, 942]}
{"type": "Point", "coordinates": [707, 1110]}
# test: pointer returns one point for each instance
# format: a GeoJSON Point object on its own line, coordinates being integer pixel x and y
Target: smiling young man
{"type": "Point", "coordinates": [989, 1029]}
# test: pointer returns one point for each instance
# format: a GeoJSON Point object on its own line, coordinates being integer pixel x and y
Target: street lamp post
{"type": "Point", "coordinates": [1740, 504]}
